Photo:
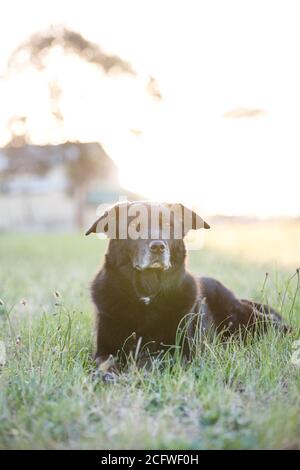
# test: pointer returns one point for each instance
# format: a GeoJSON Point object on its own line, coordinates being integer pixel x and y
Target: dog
{"type": "Point", "coordinates": [143, 293]}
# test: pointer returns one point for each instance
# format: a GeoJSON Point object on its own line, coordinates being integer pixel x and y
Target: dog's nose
{"type": "Point", "coordinates": [157, 246]}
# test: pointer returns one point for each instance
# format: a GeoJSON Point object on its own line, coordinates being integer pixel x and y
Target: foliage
{"type": "Point", "coordinates": [239, 396]}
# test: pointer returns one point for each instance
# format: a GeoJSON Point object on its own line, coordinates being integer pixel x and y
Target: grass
{"type": "Point", "coordinates": [241, 396]}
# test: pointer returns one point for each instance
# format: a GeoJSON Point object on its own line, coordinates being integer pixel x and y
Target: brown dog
{"type": "Point", "coordinates": [143, 292]}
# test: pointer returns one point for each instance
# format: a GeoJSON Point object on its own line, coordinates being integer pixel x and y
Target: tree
{"type": "Point", "coordinates": [34, 52]}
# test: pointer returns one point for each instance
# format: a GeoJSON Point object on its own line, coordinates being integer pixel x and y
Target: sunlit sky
{"type": "Point", "coordinates": [209, 57]}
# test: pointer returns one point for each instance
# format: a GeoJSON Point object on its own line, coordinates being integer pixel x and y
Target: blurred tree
{"type": "Point", "coordinates": [153, 89]}
{"type": "Point", "coordinates": [92, 164]}
{"type": "Point", "coordinates": [34, 52]}
{"type": "Point", "coordinates": [55, 93]}
{"type": "Point", "coordinates": [17, 126]}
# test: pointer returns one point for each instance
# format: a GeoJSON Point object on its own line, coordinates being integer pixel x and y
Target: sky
{"type": "Point", "coordinates": [209, 57]}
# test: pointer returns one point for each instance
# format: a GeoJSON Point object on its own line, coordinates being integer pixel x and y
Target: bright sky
{"type": "Point", "coordinates": [209, 57]}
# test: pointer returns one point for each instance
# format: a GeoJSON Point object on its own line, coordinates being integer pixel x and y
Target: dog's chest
{"type": "Point", "coordinates": [155, 321]}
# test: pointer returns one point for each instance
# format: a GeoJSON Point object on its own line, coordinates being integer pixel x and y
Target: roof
{"type": "Point", "coordinates": [39, 159]}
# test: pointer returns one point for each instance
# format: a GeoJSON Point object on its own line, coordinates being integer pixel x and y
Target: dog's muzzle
{"type": "Point", "coordinates": [153, 255]}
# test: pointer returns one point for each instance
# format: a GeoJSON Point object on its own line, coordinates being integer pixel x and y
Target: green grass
{"type": "Point", "coordinates": [239, 396]}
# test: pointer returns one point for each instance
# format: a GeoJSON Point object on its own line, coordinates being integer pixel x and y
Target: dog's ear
{"type": "Point", "coordinates": [196, 221]}
{"type": "Point", "coordinates": [189, 219]}
{"type": "Point", "coordinates": [108, 222]}
{"type": "Point", "coordinates": [95, 228]}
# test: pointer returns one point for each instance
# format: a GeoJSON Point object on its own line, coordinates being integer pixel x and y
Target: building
{"type": "Point", "coordinates": [55, 187]}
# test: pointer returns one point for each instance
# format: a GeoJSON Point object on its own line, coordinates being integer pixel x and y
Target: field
{"type": "Point", "coordinates": [234, 397]}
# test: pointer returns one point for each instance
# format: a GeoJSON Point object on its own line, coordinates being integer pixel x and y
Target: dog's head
{"type": "Point", "coordinates": [147, 235]}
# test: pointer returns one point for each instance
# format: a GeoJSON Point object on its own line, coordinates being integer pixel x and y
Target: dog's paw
{"type": "Point", "coordinates": [106, 377]}
{"type": "Point", "coordinates": [109, 378]}
{"type": "Point", "coordinates": [105, 370]}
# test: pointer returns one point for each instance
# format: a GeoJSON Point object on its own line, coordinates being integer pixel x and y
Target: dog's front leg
{"type": "Point", "coordinates": [107, 348]}
{"type": "Point", "coordinates": [106, 368]}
